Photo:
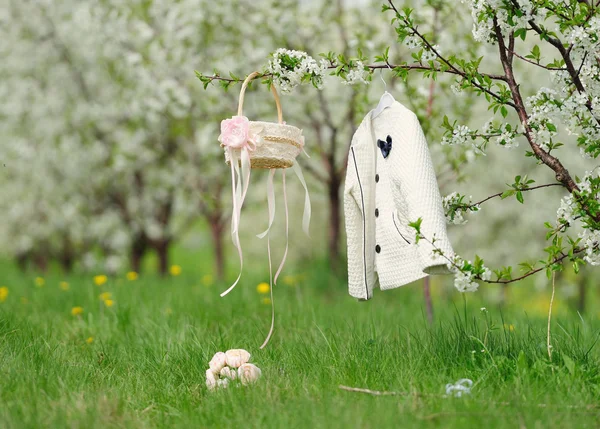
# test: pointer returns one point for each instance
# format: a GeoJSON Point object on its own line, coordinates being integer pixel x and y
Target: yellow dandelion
{"type": "Point", "coordinates": [90, 340]}
{"type": "Point", "coordinates": [24, 300]}
{"type": "Point", "coordinates": [109, 302]}
{"type": "Point", "coordinates": [289, 280]}
{"type": "Point", "coordinates": [175, 270]}
{"type": "Point", "coordinates": [263, 287]}
{"type": "Point", "coordinates": [266, 301]}
{"type": "Point", "coordinates": [3, 293]}
{"type": "Point", "coordinates": [131, 276]}
{"type": "Point", "coordinates": [40, 282]}
{"type": "Point", "coordinates": [100, 279]}
{"type": "Point", "coordinates": [510, 327]}
{"type": "Point", "coordinates": [64, 285]}
{"type": "Point", "coordinates": [105, 295]}
{"type": "Point", "coordinates": [77, 311]}
{"type": "Point", "coordinates": [207, 279]}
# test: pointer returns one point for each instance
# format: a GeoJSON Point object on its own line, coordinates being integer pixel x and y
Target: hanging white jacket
{"type": "Point", "coordinates": [390, 182]}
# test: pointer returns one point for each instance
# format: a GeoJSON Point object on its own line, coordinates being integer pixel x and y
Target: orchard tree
{"type": "Point", "coordinates": [106, 130]}
{"type": "Point", "coordinates": [567, 50]}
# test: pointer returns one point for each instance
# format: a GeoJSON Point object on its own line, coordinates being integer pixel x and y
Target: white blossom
{"type": "Point", "coordinates": [357, 75]}
{"type": "Point", "coordinates": [287, 79]}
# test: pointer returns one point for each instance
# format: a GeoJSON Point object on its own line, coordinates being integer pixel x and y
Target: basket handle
{"type": "Point", "coordinates": [273, 90]}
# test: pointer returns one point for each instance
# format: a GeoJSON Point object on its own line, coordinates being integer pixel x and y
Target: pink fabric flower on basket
{"type": "Point", "coordinates": [235, 133]}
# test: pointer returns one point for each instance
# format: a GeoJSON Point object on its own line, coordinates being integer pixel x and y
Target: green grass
{"type": "Point", "coordinates": [145, 367]}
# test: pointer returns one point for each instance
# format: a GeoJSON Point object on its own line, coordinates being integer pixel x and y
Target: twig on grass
{"type": "Point", "coordinates": [503, 403]}
{"type": "Point", "coordinates": [372, 392]}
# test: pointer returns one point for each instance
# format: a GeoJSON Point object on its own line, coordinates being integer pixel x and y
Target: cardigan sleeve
{"type": "Point", "coordinates": [421, 193]}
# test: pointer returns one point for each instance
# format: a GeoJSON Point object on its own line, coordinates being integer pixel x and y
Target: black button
{"type": "Point", "coordinates": [377, 177]}
{"type": "Point", "coordinates": [376, 212]}
{"type": "Point", "coordinates": [378, 248]}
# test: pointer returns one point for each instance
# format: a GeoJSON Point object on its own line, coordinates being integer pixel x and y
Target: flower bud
{"type": "Point", "coordinates": [211, 381]}
{"type": "Point", "coordinates": [217, 363]}
{"type": "Point", "coordinates": [236, 357]}
{"type": "Point", "coordinates": [249, 373]}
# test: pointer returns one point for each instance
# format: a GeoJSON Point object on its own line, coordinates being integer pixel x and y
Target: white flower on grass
{"type": "Point", "coordinates": [223, 382]}
{"type": "Point", "coordinates": [460, 388]}
{"type": "Point", "coordinates": [249, 373]}
{"type": "Point", "coordinates": [237, 357]}
{"type": "Point", "coordinates": [217, 363]}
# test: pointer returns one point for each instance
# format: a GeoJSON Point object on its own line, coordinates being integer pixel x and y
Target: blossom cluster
{"type": "Point", "coordinates": [466, 273]}
{"type": "Point", "coordinates": [505, 135]}
{"type": "Point", "coordinates": [291, 68]}
{"type": "Point", "coordinates": [508, 16]}
{"type": "Point", "coordinates": [458, 136]}
{"type": "Point", "coordinates": [359, 74]}
{"type": "Point", "coordinates": [455, 206]}
{"type": "Point", "coordinates": [571, 210]}
{"type": "Point", "coordinates": [230, 366]}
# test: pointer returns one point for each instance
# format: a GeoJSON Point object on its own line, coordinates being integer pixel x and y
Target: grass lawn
{"type": "Point", "coordinates": [141, 362]}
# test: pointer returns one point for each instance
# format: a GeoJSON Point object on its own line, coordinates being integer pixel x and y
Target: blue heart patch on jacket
{"type": "Point", "coordinates": [385, 146]}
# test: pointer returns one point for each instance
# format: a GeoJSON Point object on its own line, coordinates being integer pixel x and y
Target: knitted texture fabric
{"type": "Point", "coordinates": [278, 146]}
{"type": "Point", "coordinates": [387, 187]}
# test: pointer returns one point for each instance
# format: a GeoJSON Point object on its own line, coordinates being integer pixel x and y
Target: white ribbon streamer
{"type": "Point", "coordinates": [307, 207]}
{"type": "Point", "coordinates": [271, 203]}
{"type": "Point", "coordinates": [271, 289]}
{"type": "Point", "coordinates": [239, 189]}
{"type": "Point", "coordinates": [286, 231]}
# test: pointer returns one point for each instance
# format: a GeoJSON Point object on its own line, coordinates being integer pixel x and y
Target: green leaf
{"type": "Point", "coordinates": [569, 363]}
{"type": "Point", "coordinates": [520, 197]}
{"type": "Point", "coordinates": [504, 111]}
{"type": "Point", "coordinates": [507, 194]}
{"type": "Point", "coordinates": [522, 363]}
{"type": "Point", "coordinates": [522, 33]}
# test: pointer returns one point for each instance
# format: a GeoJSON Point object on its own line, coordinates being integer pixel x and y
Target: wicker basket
{"type": "Point", "coordinates": [279, 144]}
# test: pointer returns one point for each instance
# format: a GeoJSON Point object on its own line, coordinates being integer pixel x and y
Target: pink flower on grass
{"type": "Point", "coordinates": [236, 134]}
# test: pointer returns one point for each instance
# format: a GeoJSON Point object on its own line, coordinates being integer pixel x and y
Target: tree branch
{"type": "Point", "coordinates": [498, 194]}
{"type": "Point", "coordinates": [562, 175]}
{"type": "Point", "coordinates": [452, 69]}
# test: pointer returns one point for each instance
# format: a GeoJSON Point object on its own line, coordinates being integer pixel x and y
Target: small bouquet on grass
{"type": "Point", "coordinates": [230, 366]}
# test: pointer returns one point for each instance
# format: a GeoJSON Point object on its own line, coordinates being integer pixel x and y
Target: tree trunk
{"type": "Point", "coordinates": [67, 261]}
{"type": "Point", "coordinates": [22, 260]}
{"type": "Point", "coordinates": [334, 223]}
{"type": "Point", "coordinates": [40, 262]}
{"type": "Point", "coordinates": [139, 247]}
{"type": "Point", "coordinates": [67, 257]}
{"type": "Point", "coordinates": [162, 252]}
{"type": "Point", "coordinates": [216, 229]}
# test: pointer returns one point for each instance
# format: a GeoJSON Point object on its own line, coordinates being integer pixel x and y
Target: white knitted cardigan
{"type": "Point", "coordinates": [382, 195]}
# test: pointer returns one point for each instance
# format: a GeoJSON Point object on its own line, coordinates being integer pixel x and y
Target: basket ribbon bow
{"type": "Point", "coordinates": [239, 140]}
